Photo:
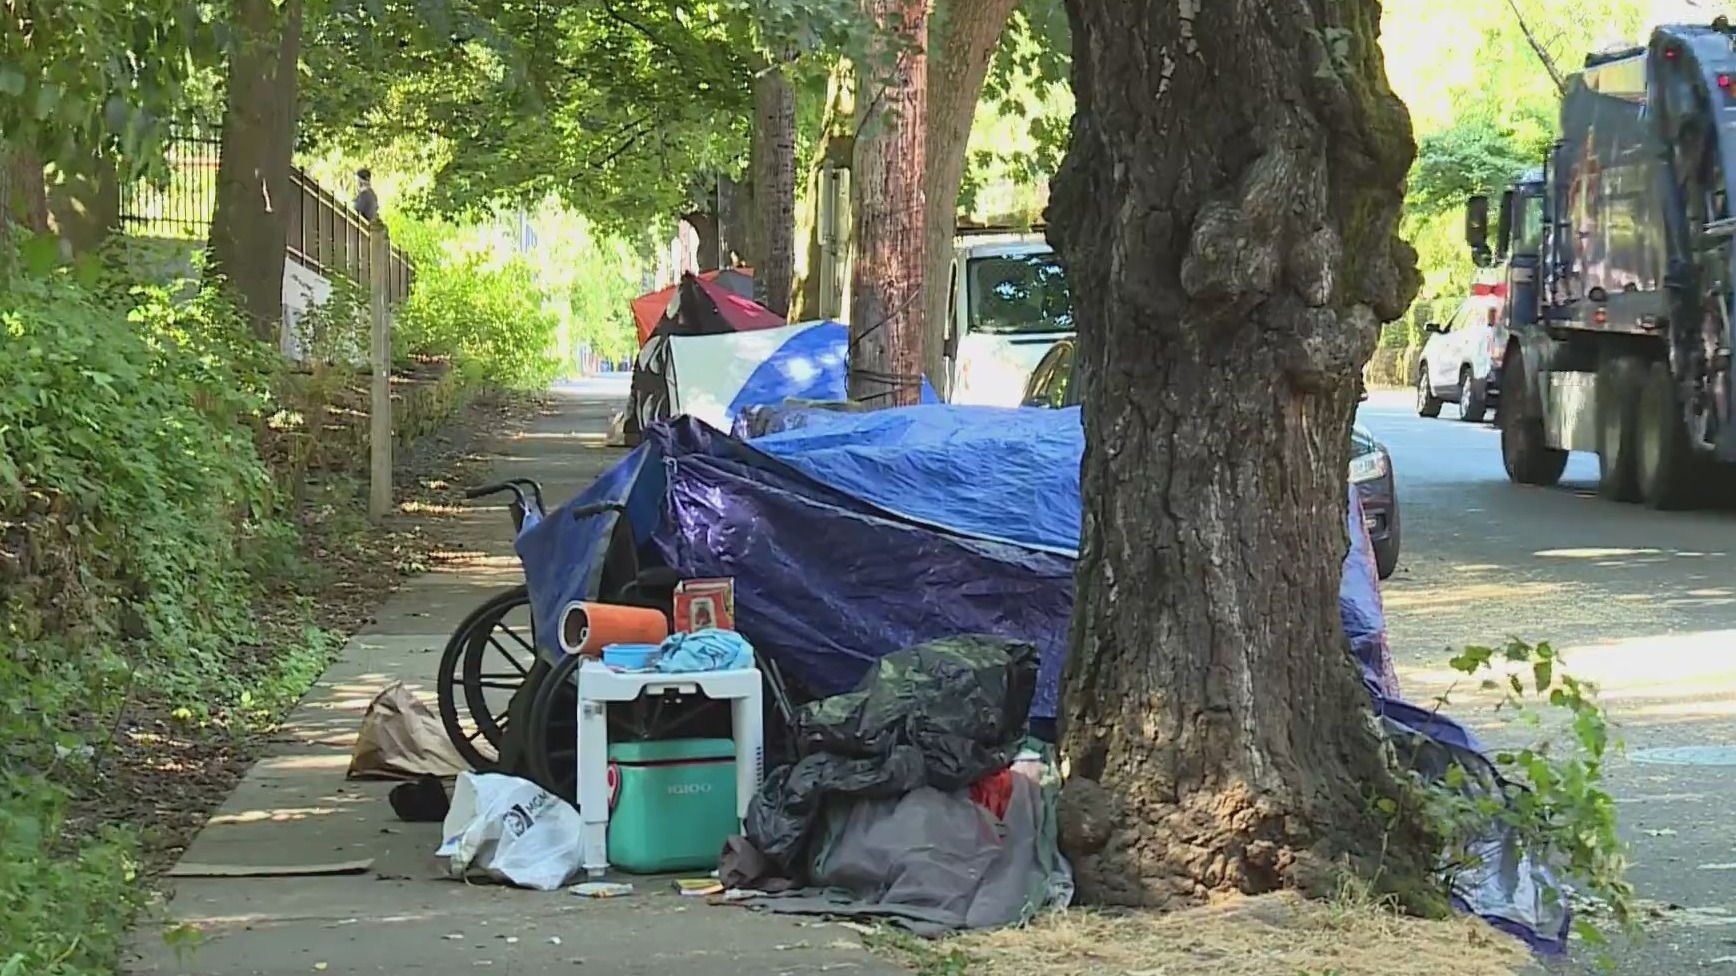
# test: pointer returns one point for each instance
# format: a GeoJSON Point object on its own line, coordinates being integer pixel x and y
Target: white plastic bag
{"type": "Point", "coordinates": [511, 830]}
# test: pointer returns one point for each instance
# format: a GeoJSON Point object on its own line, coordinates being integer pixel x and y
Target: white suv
{"type": "Point", "coordinates": [1461, 361]}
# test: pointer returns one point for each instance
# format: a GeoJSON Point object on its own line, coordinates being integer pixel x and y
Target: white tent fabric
{"type": "Point", "coordinates": [709, 374]}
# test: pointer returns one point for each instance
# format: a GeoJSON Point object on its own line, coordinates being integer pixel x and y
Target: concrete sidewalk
{"type": "Point", "coordinates": [296, 808]}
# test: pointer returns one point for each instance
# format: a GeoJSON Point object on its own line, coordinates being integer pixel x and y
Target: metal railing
{"type": "Point", "coordinates": [328, 236]}
{"type": "Point", "coordinates": [322, 233]}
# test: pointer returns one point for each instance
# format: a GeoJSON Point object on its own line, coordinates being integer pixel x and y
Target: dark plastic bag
{"type": "Point", "coordinates": [942, 714]}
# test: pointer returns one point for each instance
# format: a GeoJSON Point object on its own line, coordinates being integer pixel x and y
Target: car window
{"type": "Point", "coordinates": [1462, 317]}
{"type": "Point", "coordinates": [1062, 377]}
{"type": "Point", "coordinates": [1048, 385]}
{"type": "Point", "coordinates": [1529, 238]}
{"type": "Point", "coordinates": [1018, 294]}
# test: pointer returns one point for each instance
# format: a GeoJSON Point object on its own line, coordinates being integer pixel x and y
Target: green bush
{"type": "Point", "coordinates": [482, 313]}
{"type": "Point", "coordinates": [124, 426]}
{"type": "Point", "coordinates": [135, 517]}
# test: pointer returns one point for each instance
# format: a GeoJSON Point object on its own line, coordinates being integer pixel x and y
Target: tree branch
{"type": "Point", "coordinates": [639, 129]}
{"type": "Point", "coordinates": [646, 32]}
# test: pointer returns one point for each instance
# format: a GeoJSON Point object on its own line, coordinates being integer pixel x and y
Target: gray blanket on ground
{"type": "Point", "coordinates": [932, 862]}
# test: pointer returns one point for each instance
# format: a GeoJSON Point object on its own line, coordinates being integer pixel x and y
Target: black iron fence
{"type": "Point", "coordinates": [324, 234]}
{"type": "Point", "coordinates": [179, 209]}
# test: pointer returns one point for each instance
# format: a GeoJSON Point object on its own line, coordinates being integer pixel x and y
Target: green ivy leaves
{"type": "Point", "coordinates": [1559, 807]}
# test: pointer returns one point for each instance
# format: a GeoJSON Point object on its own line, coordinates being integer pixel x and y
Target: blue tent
{"type": "Point", "coordinates": [715, 377]}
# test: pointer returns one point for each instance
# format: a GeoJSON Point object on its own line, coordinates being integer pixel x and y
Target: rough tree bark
{"type": "Point", "coordinates": [248, 225]}
{"type": "Point", "coordinates": [774, 179]}
{"type": "Point", "coordinates": [837, 148]}
{"type": "Point", "coordinates": [735, 222]}
{"type": "Point", "coordinates": [26, 189]}
{"type": "Point", "coordinates": [886, 208]}
{"type": "Point", "coordinates": [1227, 211]}
{"type": "Point", "coordinates": [962, 41]}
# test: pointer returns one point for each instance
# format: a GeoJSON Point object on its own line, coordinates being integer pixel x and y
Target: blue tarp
{"type": "Point", "coordinates": [997, 473]}
{"type": "Point", "coordinates": [813, 364]}
{"type": "Point", "coordinates": [851, 536]}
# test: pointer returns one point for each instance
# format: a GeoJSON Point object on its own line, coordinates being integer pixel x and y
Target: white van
{"type": "Point", "coordinates": [1010, 302]}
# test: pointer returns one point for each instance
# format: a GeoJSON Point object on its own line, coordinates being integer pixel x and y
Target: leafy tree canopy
{"type": "Point", "coordinates": [83, 77]}
{"type": "Point", "coordinates": [617, 107]}
{"type": "Point", "coordinates": [1476, 154]}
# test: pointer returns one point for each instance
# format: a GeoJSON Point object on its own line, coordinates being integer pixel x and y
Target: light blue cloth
{"type": "Point", "coordinates": [704, 650]}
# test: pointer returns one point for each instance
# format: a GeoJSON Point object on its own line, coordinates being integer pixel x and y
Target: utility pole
{"type": "Point", "coordinates": [380, 390]}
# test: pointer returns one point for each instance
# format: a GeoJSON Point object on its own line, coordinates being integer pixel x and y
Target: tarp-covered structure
{"type": "Point", "coordinates": [691, 308]}
{"type": "Point", "coordinates": [854, 535]}
{"type": "Point", "coordinates": [716, 375]}
{"type": "Point", "coordinates": [654, 308]}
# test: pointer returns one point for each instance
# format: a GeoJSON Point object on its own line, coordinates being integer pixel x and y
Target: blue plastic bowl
{"type": "Point", "coordinates": [631, 657]}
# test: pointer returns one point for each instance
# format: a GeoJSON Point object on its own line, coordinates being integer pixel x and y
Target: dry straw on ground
{"type": "Point", "coordinates": [1275, 935]}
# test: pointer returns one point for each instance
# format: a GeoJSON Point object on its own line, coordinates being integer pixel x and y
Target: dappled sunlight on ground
{"type": "Point", "coordinates": [426, 508]}
{"type": "Point", "coordinates": [583, 439]}
{"type": "Point", "coordinates": [1717, 597]}
{"type": "Point", "coordinates": [281, 815]}
{"type": "Point", "coordinates": [1468, 595]}
{"type": "Point", "coordinates": [1620, 558]}
{"type": "Point", "coordinates": [507, 566]}
{"type": "Point", "coordinates": [214, 923]}
{"type": "Point", "coordinates": [334, 760]}
{"type": "Point", "coordinates": [1680, 669]}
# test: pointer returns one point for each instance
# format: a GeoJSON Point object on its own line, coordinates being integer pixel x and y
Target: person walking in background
{"type": "Point", "coordinates": [367, 204]}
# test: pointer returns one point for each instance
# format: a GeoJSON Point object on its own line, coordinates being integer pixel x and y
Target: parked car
{"type": "Point", "coordinates": [1460, 362]}
{"type": "Point", "coordinates": [1051, 387]}
{"type": "Point", "coordinates": [1371, 473]}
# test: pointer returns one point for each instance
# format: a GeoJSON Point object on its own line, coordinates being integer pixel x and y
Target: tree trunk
{"type": "Point", "coordinates": [735, 221]}
{"type": "Point", "coordinates": [87, 206]}
{"type": "Point", "coordinates": [963, 36]}
{"type": "Point", "coordinates": [887, 180]}
{"type": "Point", "coordinates": [249, 224]}
{"type": "Point", "coordinates": [709, 254]}
{"type": "Point", "coordinates": [26, 190]}
{"type": "Point", "coordinates": [1228, 215]}
{"type": "Point", "coordinates": [774, 178]}
{"type": "Point", "coordinates": [837, 147]}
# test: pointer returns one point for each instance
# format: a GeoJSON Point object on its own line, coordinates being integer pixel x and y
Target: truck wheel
{"type": "Point", "coordinates": [1664, 459]}
{"type": "Point", "coordinates": [1525, 451]}
{"type": "Point", "coordinates": [1618, 392]}
{"type": "Point", "coordinates": [1427, 404]}
{"type": "Point", "coordinates": [1473, 405]}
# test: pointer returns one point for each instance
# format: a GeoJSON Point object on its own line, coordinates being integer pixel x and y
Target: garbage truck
{"type": "Point", "coordinates": [1619, 268]}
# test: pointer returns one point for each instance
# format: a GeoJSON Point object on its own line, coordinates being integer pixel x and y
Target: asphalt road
{"type": "Point", "coordinates": [1641, 602]}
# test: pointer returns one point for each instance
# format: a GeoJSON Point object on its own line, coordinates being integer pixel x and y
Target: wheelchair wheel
{"type": "Point", "coordinates": [551, 748]}
{"type": "Point", "coordinates": [485, 663]}
{"type": "Point", "coordinates": [551, 751]}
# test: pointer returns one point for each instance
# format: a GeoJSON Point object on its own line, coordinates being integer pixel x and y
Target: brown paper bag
{"type": "Point", "coordinates": [402, 738]}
